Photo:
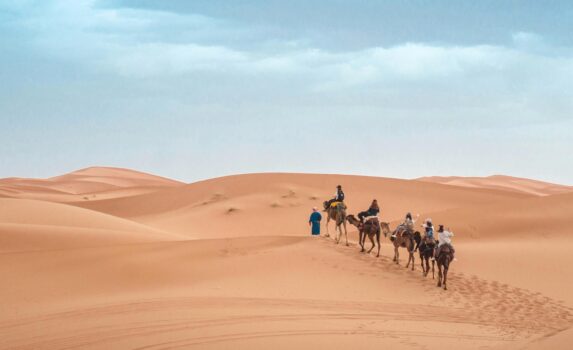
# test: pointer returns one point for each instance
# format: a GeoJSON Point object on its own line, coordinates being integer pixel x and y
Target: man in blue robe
{"type": "Point", "coordinates": [314, 221]}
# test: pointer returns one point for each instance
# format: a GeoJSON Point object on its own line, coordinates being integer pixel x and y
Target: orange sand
{"type": "Point", "coordinates": [108, 258]}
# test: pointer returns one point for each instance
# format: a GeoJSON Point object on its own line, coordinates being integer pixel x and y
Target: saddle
{"type": "Point", "coordinates": [427, 246]}
{"type": "Point", "coordinates": [371, 221]}
{"type": "Point", "coordinates": [429, 241]}
{"type": "Point", "coordinates": [339, 205]}
{"type": "Point", "coordinates": [446, 249]}
{"type": "Point", "coordinates": [403, 232]}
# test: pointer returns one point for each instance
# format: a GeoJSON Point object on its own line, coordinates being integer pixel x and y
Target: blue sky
{"type": "Point", "coordinates": [198, 89]}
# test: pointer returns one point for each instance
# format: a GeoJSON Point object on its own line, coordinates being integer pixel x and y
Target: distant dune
{"type": "Point", "coordinates": [501, 182]}
{"type": "Point", "coordinates": [109, 258]}
{"type": "Point", "coordinates": [86, 184]}
{"type": "Point", "coordinates": [242, 205]}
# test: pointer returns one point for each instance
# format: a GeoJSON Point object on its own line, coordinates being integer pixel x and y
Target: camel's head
{"type": "Point", "coordinates": [325, 204]}
{"type": "Point", "coordinates": [417, 236]}
{"type": "Point", "coordinates": [353, 220]}
{"type": "Point", "coordinates": [385, 228]}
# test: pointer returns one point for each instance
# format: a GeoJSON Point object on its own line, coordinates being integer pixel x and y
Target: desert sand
{"type": "Point", "coordinates": [108, 258]}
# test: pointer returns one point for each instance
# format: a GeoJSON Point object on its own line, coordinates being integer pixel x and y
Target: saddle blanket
{"type": "Point", "coordinates": [335, 204]}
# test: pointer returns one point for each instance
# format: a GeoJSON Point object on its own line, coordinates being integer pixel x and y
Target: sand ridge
{"type": "Point", "coordinates": [502, 182]}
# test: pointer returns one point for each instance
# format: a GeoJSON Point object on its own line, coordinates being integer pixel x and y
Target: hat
{"type": "Point", "coordinates": [440, 228]}
{"type": "Point", "coordinates": [338, 186]}
{"type": "Point", "coordinates": [314, 209]}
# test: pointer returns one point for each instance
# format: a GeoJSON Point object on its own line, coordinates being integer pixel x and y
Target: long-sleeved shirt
{"type": "Point", "coordinates": [409, 223]}
{"type": "Point", "coordinates": [339, 195]}
{"type": "Point", "coordinates": [445, 237]}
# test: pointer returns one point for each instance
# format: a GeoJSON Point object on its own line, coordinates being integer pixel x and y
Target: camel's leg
{"type": "Point", "coordinates": [327, 221]}
{"type": "Point", "coordinates": [378, 240]}
{"type": "Point", "coordinates": [413, 259]}
{"type": "Point", "coordinates": [360, 234]}
{"type": "Point", "coordinates": [371, 238]}
{"type": "Point", "coordinates": [396, 254]}
{"type": "Point", "coordinates": [439, 275]}
{"type": "Point", "coordinates": [422, 263]}
{"type": "Point", "coordinates": [337, 232]}
{"type": "Point", "coordinates": [411, 250]}
{"type": "Point", "coordinates": [433, 262]}
{"type": "Point", "coordinates": [446, 268]}
{"type": "Point", "coordinates": [345, 231]}
{"type": "Point", "coordinates": [410, 255]}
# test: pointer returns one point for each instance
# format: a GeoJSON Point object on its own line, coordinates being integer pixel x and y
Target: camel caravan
{"type": "Point", "coordinates": [432, 251]}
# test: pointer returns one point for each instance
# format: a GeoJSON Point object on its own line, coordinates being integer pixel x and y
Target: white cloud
{"type": "Point", "coordinates": [166, 59]}
{"type": "Point", "coordinates": [131, 43]}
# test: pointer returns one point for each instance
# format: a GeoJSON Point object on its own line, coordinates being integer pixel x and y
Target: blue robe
{"type": "Point", "coordinates": [315, 221]}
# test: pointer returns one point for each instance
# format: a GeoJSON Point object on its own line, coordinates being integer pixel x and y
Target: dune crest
{"type": "Point", "coordinates": [502, 182]}
{"type": "Point", "coordinates": [92, 183]}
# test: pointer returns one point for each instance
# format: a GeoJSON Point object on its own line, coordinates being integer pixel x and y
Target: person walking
{"type": "Point", "coordinates": [314, 222]}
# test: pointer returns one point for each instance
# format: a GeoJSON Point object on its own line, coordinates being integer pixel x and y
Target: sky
{"type": "Point", "coordinates": [205, 88]}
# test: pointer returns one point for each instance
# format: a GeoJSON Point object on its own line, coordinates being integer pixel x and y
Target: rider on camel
{"type": "Point", "coordinates": [428, 231]}
{"type": "Point", "coordinates": [428, 239]}
{"type": "Point", "coordinates": [407, 225]}
{"type": "Point", "coordinates": [409, 222]}
{"type": "Point", "coordinates": [338, 197]}
{"type": "Point", "coordinates": [444, 237]}
{"type": "Point", "coordinates": [371, 212]}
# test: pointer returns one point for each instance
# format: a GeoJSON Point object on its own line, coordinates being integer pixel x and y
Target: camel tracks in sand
{"type": "Point", "coordinates": [186, 322]}
{"type": "Point", "coordinates": [516, 310]}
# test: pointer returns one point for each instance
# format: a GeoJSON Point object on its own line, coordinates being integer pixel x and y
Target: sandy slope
{"type": "Point", "coordinates": [36, 225]}
{"type": "Point", "coordinates": [112, 272]}
{"type": "Point", "coordinates": [241, 205]}
{"type": "Point", "coordinates": [539, 217]}
{"type": "Point", "coordinates": [501, 182]}
{"type": "Point", "coordinates": [255, 293]}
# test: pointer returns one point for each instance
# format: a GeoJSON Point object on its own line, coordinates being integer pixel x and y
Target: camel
{"type": "Point", "coordinates": [371, 228]}
{"type": "Point", "coordinates": [444, 259]}
{"type": "Point", "coordinates": [338, 214]}
{"type": "Point", "coordinates": [426, 254]}
{"type": "Point", "coordinates": [404, 238]}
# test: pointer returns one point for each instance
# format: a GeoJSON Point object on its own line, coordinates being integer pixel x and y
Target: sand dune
{"type": "Point", "coordinates": [113, 177]}
{"type": "Point", "coordinates": [86, 184]}
{"type": "Point", "coordinates": [35, 225]}
{"type": "Point", "coordinates": [501, 182]}
{"type": "Point", "coordinates": [241, 205]}
{"type": "Point", "coordinates": [538, 217]}
{"type": "Point", "coordinates": [113, 271]}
